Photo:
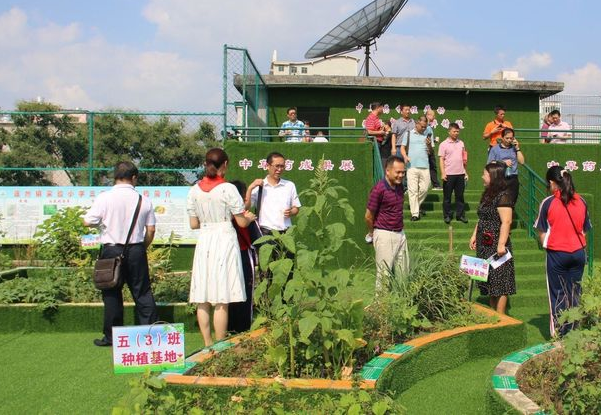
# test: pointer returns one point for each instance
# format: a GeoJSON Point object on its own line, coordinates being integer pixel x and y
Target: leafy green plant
{"type": "Point", "coordinates": [58, 238]}
{"type": "Point", "coordinates": [316, 325]}
{"type": "Point", "coordinates": [159, 258]}
{"type": "Point", "coordinates": [580, 378]}
{"type": "Point", "coordinates": [433, 284]}
{"type": "Point", "coordinates": [428, 296]}
{"type": "Point", "coordinates": [48, 288]}
{"type": "Point", "coordinates": [5, 260]}
{"type": "Point", "coordinates": [571, 383]}
{"type": "Point", "coordinates": [149, 394]}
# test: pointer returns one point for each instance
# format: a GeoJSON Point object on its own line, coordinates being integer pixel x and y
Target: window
{"type": "Point", "coordinates": [293, 69]}
{"type": "Point", "coordinates": [303, 69]}
{"type": "Point", "coordinates": [281, 68]}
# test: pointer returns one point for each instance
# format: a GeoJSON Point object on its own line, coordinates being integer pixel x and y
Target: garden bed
{"type": "Point", "coordinates": [386, 367]}
{"type": "Point", "coordinates": [506, 395]}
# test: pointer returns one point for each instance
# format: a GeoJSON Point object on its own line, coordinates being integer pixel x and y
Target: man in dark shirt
{"type": "Point", "coordinates": [384, 219]}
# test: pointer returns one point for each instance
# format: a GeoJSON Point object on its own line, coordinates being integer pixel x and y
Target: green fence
{"type": "Point", "coordinates": [80, 148]}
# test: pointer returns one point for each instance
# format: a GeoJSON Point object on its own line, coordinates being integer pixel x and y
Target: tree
{"type": "Point", "coordinates": [41, 139]}
{"type": "Point", "coordinates": [160, 144]}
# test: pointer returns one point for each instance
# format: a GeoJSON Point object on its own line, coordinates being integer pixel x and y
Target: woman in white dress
{"type": "Point", "coordinates": [217, 276]}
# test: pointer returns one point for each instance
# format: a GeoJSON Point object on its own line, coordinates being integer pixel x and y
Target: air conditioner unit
{"type": "Point", "coordinates": [349, 123]}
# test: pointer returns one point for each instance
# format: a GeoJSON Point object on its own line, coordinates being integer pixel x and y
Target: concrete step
{"type": "Point", "coordinates": [468, 195]}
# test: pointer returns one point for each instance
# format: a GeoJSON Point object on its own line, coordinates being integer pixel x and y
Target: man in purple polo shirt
{"type": "Point", "coordinates": [384, 219]}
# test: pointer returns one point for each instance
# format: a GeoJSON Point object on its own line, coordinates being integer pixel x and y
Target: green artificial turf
{"type": "Point", "coordinates": [465, 388]}
{"type": "Point", "coordinates": [451, 391]}
{"type": "Point", "coordinates": [61, 373]}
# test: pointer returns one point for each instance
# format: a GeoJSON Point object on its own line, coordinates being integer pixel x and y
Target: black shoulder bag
{"type": "Point", "coordinates": [254, 230]}
{"type": "Point", "coordinates": [107, 272]}
{"type": "Point", "coordinates": [577, 235]}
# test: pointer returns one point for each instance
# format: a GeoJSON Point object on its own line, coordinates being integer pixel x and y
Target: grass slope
{"type": "Point", "coordinates": [463, 389]}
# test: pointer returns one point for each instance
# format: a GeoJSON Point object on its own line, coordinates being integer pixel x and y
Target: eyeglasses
{"type": "Point", "coordinates": [278, 166]}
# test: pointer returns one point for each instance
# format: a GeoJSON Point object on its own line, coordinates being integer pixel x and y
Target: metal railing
{"type": "Point", "coordinates": [574, 135]}
{"type": "Point", "coordinates": [378, 171]}
{"type": "Point", "coordinates": [533, 189]}
{"type": "Point", "coordinates": [277, 134]}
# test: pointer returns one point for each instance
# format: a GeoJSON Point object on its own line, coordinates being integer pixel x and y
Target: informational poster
{"type": "Point", "coordinates": [156, 347]}
{"type": "Point", "coordinates": [23, 209]}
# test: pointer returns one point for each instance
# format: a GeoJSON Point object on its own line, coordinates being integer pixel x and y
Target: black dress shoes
{"type": "Point", "coordinates": [447, 219]}
{"type": "Point", "coordinates": [102, 342]}
{"type": "Point", "coordinates": [462, 219]}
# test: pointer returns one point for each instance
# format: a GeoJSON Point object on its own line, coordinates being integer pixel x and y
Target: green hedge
{"type": "Point", "coordinates": [449, 353]}
{"type": "Point", "coordinates": [80, 317]}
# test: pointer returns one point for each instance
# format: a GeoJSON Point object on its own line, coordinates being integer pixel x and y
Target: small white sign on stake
{"type": "Point", "coordinates": [476, 268]}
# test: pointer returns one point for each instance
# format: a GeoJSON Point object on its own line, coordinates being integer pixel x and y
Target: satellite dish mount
{"type": "Point", "coordinates": [359, 31]}
{"type": "Point", "coordinates": [368, 58]}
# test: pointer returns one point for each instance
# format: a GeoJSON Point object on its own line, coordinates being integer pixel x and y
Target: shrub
{"type": "Point", "coordinates": [48, 288]}
{"type": "Point", "coordinates": [580, 378]}
{"type": "Point", "coordinates": [316, 324]}
{"type": "Point", "coordinates": [431, 293]}
{"type": "Point", "coordinates": [433, 284]}
{"type": "Point", "coordinates": [571, 383]}
{"type": "Point", "coordinates": [150, 395]}
{"type": "Point", "coordinates": [5, 261]}
{"type": "Point", "coordinates": [58, 238]}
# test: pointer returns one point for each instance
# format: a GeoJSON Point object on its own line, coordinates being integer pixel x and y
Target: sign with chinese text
{"type": "Point", "coordinates": [476, 268]}
{"type": "Point", "coordinates": [23, 209]}
{"type": "Point", "coordinates": [156, 347]}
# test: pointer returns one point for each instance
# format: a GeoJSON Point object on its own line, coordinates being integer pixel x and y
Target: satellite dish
{"type": "Point", "coordinates": [358, 31]}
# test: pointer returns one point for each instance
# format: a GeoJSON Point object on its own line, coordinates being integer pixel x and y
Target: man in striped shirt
{"type": "Point", "coordinates": [293, 129]}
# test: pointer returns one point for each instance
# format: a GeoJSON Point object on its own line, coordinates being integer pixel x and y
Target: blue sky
{"type": "Point", "coordinates": [167, 54]}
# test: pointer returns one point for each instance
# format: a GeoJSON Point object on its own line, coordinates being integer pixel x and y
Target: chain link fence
{"type": "Point", "coordinates": [70, 148]}
{"type": "Point", "coordinates": [245, 103]}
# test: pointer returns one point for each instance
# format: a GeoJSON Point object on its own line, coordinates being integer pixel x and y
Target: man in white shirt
{"type": "Point", "coordinates": [558, 124]}
{"type": "Point", "coordinates": [113, 212]}
{"type": "Point", "coordinates": [279, 200]}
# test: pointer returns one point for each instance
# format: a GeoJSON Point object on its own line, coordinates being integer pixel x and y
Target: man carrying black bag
{"type": "Point", "coordinates": [114, 212]}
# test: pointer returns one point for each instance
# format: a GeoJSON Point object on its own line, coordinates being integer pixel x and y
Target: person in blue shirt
{"type": "Point", "coordinates": [293, 129]}
{"type": "Point", "coordinates": [508, 151]}
{"type": "Point", "coordinates": [415, 147]}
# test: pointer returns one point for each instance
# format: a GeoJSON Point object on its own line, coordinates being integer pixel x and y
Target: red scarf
{"type": "Point", "coordinates": [209, 183]}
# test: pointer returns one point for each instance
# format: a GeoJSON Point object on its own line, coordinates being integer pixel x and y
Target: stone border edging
{"type": "Point", "coordinates": [370, 372]}
{"type": "Point", "coordinates": [504, 377]}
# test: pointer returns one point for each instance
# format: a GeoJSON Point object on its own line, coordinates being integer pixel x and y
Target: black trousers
{"type": "Point", "coordinates": [240, 315]}
{"type": "Point", "coordinates": [454, 183]}
{"type": "Point", "coordinates": [513, 186]}
{"type": "Point", "coordinates": [136, 276]}
{"type": "Point", "coordinates": [433, 170]}
{"type": "Point", "coordinates": [385, 152]}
